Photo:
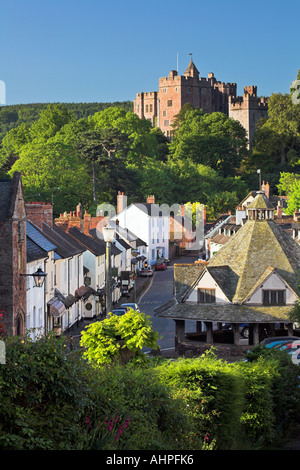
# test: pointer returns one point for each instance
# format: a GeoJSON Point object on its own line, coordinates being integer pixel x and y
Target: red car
{"type": "Point", "coordinates": [160, 266]}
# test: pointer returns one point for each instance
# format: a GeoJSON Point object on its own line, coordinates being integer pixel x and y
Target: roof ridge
{"type": "Point", "coordinates": [241, 276]}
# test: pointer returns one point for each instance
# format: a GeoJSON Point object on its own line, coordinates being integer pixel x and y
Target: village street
{"type": "Point", "coordinates": [160, 290]}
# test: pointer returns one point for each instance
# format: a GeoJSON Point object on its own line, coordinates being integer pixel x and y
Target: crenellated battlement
{"type": "Point", "coordinates": [246, 100]}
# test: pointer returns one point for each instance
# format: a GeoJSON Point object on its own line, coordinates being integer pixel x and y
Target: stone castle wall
{"type": "Point", "coordinates": [161, 107]}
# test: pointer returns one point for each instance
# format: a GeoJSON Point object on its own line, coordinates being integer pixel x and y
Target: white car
{"type": "Point", "coordinates": [128, 306]}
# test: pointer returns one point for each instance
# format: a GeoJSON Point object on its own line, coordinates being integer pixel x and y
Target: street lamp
{"type": "Point", "coordinates": [38, 277]}
{"type": "Point", "coordinates": [259, 173]}
{"type": "Point", "coordinates": [108, 235]}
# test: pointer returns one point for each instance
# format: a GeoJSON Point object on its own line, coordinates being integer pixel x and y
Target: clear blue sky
{"type": "Point", "coordinates": [104, 51]}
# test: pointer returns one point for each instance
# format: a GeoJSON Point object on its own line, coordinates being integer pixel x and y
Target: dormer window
{"type": "Point", "coordinates": [273, 297]}
{"type": "Point", "coordinates": [206, 296]}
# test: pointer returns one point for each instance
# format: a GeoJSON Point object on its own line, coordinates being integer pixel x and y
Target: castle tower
{"type": "Point", "coordinates": [248, 109]}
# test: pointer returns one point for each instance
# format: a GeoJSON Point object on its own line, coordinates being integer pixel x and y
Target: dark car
{"type": "Point", "coordinates": [244, 329]}
{"type": "Point", "coordinates": [160, 267]}
{"type": "Point", "coordinates": [119, 311]}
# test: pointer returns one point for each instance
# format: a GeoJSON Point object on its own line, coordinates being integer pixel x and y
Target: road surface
{"type": "Point", "coordinates": [159, 291]}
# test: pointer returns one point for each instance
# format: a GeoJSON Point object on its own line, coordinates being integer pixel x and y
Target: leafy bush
{"type": "Point", "coordinates": [213, 393]}
{"type": "Point", "coordinates": [272, 399]}
{"type": "Point", "coordinates": [156, 420]}
{"type": "Point", "coordinates": [118, 338]}
{"type": "Point", "coordinates": [44, 391]}
{"type": "Point", "coordinates": [52, 398]}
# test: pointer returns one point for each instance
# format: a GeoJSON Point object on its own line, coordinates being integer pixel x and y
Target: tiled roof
{"type": "Point", "coordinates": [153, 210]}
{"type": "Point", "coordinates": [33, 232]}
{"type": "Point", "coordinates": [260, 202]}
{"type": "Point", "coordinates": [96, 247]}
{"type": "Point", "coordinates": [225, 313]}
{"type": "Point", "coordinates": [68, 238]}
{"type": "Point", "coordinates": [64, 246]}
{"type": "Point", "coordinates": [34, 252]}
{"type": "Point", "coordinates": [94, 233]}
{"type": "Point", "coordinates": [257, 245]}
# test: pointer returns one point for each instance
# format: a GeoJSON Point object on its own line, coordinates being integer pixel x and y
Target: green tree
{"type": "Point", "coordinates": [278, 137]}
{"type": "Point", "coordinates": [47, 166]}
{"type": "Point", "coordinates": [12, 143]}
{"type": "Point", "coordinates": [210, 139]}
{"type": "Point", "coordinates": [51, 120]}
{"type": "Point", "coordinates": [105, 151]}
{"type": "Point", "coordinates": [144, 142]}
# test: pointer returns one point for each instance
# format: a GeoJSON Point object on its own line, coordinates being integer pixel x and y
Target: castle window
{"type": "Point", "coordinates": [166, 123]}
{"type": "Point", "coordinates": [151, 108]}
{"type": "Point", "coordinates": [206, 296]}
{"type": "Point", "coordinates": [169, 103]}
{"type": "Point", "coordinates": [164, 90]}
{"type": "Point", "coordinates": [273, 297]}
{"type": "Point", "coordinates": [146, 108]}
{"type": "Point", "coordinates": [164, 113]}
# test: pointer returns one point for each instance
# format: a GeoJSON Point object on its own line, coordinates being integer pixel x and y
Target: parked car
{"type": "Point", "coordinates": [244, 329]}
{"type": "Point", "coordinates": [160, 266]}
{"type": "Point", "coordinates": [290, 344]}
{"type": "Point", "coordinates": [145, 272]}
{"type": "Point", "coordinates": [119, 311]}
{"type": "Point", "coordinates": [278, 340]}
{"type": "Point", "coordinates": [129, 306]}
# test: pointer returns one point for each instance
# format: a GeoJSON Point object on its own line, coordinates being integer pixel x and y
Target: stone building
{"type": "Point", "coordinates": [160, 107]}
{"type": "Point", "coordinates": [13, 255]}
{"type": "Point", "coordinates": [252, 279]}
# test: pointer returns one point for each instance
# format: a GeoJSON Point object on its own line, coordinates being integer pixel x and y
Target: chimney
{"type": "Point", "coordinates": [86, 223]}
{"type": "Point", "coordinates": [121, 202]}
{"type": "Point", "coordinates": [266, 189]}
{"type": "Point", "coordinates": [39, 212]}
{"type": "Point", "coordinates": [279, 209]}
{"type": "Point", "coordinates": [151, 199]}
{"type": "Point", "coordinates": [79, 210]}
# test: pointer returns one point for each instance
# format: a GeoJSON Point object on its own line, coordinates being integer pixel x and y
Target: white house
{"type": "Point", "coordinates": [94, 271]}
{"type": "Point", "coordinates": [35, 296]}
{"type": "Point", "coordinates": [150, 224]}
{"type": "Point", "coordinates": [35, 236]}
{"type": "Point", "coordinates": [64, 269]}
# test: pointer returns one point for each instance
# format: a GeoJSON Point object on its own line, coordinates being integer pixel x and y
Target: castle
{"type": "Point", "coordinates": [160, 107]}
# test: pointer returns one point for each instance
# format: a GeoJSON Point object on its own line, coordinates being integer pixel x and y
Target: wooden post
{"type": "Point", "coordinates": [209, 332]}
{"type": "Point", "coordinates": [236, 333]}
{"type": "Point", "coordinates": [180, 330]}
{"type": "Point", "coordinates": [255, 334]}
{"type": "Point", "coordinates": [290, 329]}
